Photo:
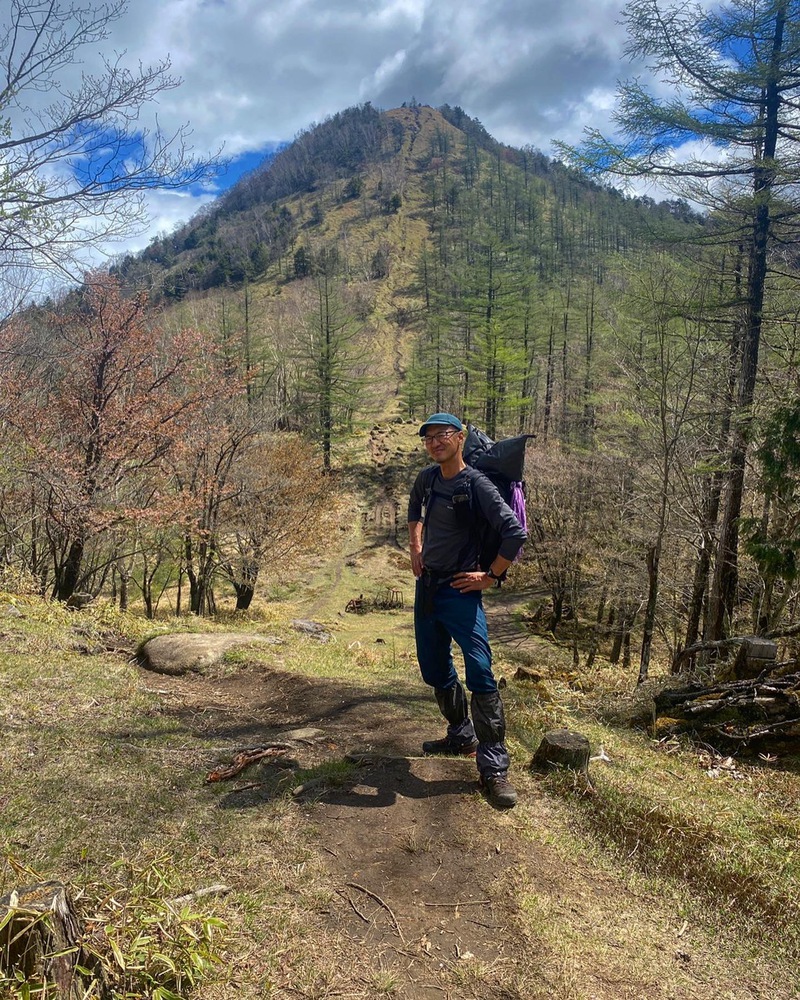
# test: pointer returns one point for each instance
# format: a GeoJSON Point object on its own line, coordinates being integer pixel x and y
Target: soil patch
{"type": "Point", "coordinates": [429, 891]}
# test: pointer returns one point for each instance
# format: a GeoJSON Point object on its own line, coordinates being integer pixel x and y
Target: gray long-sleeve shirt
{"type": "Point", "coordinates": [451, 543]}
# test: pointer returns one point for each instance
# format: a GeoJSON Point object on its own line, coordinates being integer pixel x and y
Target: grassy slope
{"type": "Point", "coordinates": [102, 763]}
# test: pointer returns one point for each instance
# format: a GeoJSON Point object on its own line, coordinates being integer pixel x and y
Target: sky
{"type": "Point", "coordinates": [255, 73]}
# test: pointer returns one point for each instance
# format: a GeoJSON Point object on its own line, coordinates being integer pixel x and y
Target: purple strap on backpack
{"type": "Point", "coordinates": [517, 505]}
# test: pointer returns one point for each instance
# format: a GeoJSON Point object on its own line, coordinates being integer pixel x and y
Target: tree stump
{"type": "Point", "coordinates": [528, 674]}
{"type": "Point", "coordinates": [40, 937]}
{"type": "Point", "coordinates": [562, 748]}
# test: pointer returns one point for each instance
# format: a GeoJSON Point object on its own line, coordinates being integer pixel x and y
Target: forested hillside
{"type": "Point", "coordinates": [382, 266]}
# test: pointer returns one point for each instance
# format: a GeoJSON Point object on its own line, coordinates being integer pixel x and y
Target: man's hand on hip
{"type": "Point", "coordinates": [466, 582]}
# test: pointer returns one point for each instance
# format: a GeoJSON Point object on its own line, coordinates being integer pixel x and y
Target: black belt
{"type": "Point", "coordinates": [434, 574]}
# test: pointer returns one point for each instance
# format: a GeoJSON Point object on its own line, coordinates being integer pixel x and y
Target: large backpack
{"type": "Point", "coordinates": [503, 463]}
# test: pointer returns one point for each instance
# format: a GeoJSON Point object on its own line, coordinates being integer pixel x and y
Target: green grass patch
{"type": "Point", "coordinates": [719, 831]}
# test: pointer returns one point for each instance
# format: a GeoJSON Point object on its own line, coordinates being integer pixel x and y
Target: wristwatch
{"type": "Point", "coordinates": [491, 574]}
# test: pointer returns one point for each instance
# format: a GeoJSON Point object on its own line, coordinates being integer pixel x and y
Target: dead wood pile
{"type": "Point", "coordinates": [762, 712]}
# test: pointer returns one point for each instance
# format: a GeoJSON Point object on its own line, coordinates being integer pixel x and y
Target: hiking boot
{"type": "Point", "coordinates": [499, 791]}
{"type": "Point", "coordinates": [449, 747]}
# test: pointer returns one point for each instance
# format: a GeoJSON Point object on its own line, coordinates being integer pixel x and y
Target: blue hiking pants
{"type": "Point", "coordinates": [449, 616]}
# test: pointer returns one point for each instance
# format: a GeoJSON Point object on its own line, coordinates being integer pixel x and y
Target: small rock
{"type": "Point", "coordinates": [308, 786]}
{"type": "Point", "coordinates": [302, 734]}
{"type": "Point", "coordinates": [311, 628]}
{"type": "Point", "coordinates": [77, 601]}
{"type": "Point", "coordinates": [87, 649]}
{"type": "Point", "coordinates": [527, 674]}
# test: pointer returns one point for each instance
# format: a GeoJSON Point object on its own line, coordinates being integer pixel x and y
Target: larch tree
{"type": "Point", "coordinates": [332, 358]}
{"type": "Point", "coordinates": [722, 131]}
{"type": "Point", "coordinates": [666, 362]}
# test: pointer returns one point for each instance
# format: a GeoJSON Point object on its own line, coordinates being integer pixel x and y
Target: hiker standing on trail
{"type": "Point", "coordinates": [447, 510]}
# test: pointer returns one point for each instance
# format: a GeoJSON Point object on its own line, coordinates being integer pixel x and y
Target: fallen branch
{"type": "Point", "coordinates": [380, 902]}
{"type": "Point", "coordinates": [764, 731]}
{"type": "Point", "coordinates": [702, 647]}
{"type": "Point", "coordinates": [244, 758]}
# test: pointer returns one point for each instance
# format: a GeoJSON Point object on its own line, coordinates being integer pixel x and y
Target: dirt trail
{"type": "Point", "coordinates": [432, 892]}
{"type": "Point", "coordinates": [435, 894]}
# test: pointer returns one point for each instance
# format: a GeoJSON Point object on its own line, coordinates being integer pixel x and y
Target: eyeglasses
{"type": "Point", "coordinates": [438, 436]}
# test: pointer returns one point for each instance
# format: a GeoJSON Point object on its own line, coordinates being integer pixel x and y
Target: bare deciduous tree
{"type": "Point", "coordinates": [76, 160]}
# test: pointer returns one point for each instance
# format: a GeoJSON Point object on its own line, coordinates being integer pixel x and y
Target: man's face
{"type": "Point", "coordinates": [442, 442]}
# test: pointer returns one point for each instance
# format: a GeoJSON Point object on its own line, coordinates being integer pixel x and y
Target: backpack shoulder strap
{"type": "Point", "coordinates": [430, 478]}
{"type": "Point", "coordinates": [474, 475]}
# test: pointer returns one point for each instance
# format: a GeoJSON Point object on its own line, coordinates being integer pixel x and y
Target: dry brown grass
{"type": "Point", "coordinates": [607, 891]}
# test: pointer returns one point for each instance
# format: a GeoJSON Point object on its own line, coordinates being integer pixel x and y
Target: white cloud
{"type": "Point", "coordinates": [257, 71]}
{"type": "Point", "coordinates": [167, 210]}
{"type": "Point", "coordinates": [267, 70]}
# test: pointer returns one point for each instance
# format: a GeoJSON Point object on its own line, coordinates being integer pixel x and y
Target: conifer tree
{"type": "Point", "coordinates": [733, 82]}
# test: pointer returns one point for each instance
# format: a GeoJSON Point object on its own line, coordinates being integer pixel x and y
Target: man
{"type": "Point", "coordinates": [446, 510]}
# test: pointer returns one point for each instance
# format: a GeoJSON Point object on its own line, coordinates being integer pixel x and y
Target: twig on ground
{"type": "Point", "coordinates": [381, 902]}
{"type": "Point", "coordinates": [469, 902]}
{"type": "Point", "coordinates": [209, 890]}
{"type": "Point", "coordinates": [358, 912]}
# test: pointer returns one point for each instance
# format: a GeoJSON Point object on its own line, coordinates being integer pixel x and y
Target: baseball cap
{"type": "Point", "coordinates": [441, 418]}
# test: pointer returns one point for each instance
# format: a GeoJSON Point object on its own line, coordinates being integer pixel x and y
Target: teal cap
{"type": "Point", "coordinates": [441, 418]}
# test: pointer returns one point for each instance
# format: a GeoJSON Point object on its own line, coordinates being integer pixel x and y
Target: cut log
{"type": "Point", "coordinates": [750, 698]}
{"type": "Point", "coordinates": [760, 713]}
{"type": "Point", "coordinates": [40, 938]}
{"type": "Point", "coordinates": [562, 748]}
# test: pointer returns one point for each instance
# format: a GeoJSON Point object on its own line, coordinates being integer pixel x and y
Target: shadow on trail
{"type": "Point", "coordinates": [391, 779]}
{"type": "Point", "coordinates": [253, 708]}
{"type": "Point", "coordinates": [379, 785]}
{"type": "Point", "coordinates": [340, 717]}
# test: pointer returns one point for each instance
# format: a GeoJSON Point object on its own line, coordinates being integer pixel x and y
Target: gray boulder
{"type": "Point", "coordinates": [196, 653]}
